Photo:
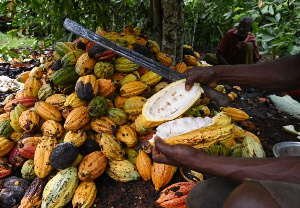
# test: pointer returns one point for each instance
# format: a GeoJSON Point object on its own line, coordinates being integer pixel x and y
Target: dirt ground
{"type": "Point", "coordinates": [140, 194]}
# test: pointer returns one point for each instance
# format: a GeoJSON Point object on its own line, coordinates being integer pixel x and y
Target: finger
{"type": "Point", "coordinates": [188, 84]}
{"type": "Point", "coordinates": [189, 80]}
{"type": "Point", "coordinates": [164, 148]}
{"type": "Point", "coordinates": [158, 157]}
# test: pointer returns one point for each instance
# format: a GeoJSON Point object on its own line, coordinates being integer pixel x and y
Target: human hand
{"type": "Point", "coordinates": [178, 155]}
{"type": "Point", "coordinates": [203, 75]}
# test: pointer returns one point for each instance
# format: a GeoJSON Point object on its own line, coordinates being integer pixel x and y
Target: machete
{"type": "Point", "coordinates": [164, 71]}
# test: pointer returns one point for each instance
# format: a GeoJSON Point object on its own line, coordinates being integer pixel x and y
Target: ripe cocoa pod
{"type": "Point", "coordinates": [122, 170]}
{"type": "Point", "coordinates": [42, 166]}
{"type": "Point", "coordinates": [60, 189]}
{"type": "Point", "coordinates": [29, 120]}
{"type": "Point", "coordinates": [52, 128]}
{"type": "Point", "coordinates": [92, 166]}
{"type": "Point", "coordinates": [33, 195]}
{"type": "Point", "coordinates": [174, 195]}
{"type": "Point", "coordinates": [161, 174]}
{"type": "Point", "coordinates": [111, 147]}
{"type": "Point", "coordinates": [85, 194]}
{"type": "Point", "coordinates": [127, 135]}
{"type": "Point", "coordinates": [144, 165]}
{"type": "Point", "coordinates": [47, 111]}
{"type": "Point", "coordinates": [78, 118]}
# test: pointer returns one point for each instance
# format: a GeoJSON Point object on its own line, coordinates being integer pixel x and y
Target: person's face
{"type": "Point", "coordinates": [243, 29]}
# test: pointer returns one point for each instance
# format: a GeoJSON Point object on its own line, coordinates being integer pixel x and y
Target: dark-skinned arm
{"type": "Point", "coordinates": [221, 58]}
{"type": "Point", "coordinates": [279, 75]}
{"type": "Point", "coordinates": [285, 169]}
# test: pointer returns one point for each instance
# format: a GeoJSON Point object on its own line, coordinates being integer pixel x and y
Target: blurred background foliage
{"type": "Point", "coordinates": [206, 21]}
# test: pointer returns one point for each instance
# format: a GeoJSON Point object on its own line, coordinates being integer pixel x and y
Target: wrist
{"type": "Point", "coordinates": [222, 73]}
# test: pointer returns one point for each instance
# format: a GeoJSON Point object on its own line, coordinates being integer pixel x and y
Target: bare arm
{"type": "Point", "coordinates": [236, 169]}
{"type": "Point", "coordinates": [280, 75]}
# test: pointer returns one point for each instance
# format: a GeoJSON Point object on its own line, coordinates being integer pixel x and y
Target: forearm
{"type": "Point", "coordinates": [279, 75]}
{"type": "Point", "coordinates": [237, 169]}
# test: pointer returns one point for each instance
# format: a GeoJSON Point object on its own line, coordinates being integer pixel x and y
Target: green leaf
{"type": "Point", "coordinates": [255, 27]}
{"type": "Point", "coordinates": [271, 10]}
{"type": "Point", "coordinates": [295, 50]}
{"type": "Point", "coordinates": [267, 37]}
{"type": "Point", "coordinates": [277, 17]}
{"type": "Point", "coordinates": [286, 104]}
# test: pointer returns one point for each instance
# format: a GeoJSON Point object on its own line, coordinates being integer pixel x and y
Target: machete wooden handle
{"type": "Point", "coordinates": [220, 98]}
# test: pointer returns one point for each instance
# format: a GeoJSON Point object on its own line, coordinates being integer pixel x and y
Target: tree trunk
{"type": "Point", "coordinates": [171, 26]}
{"type": "Point", "coordinates": [194, 30]}
{"type": "Point", "coordinates": [154, 21]}
{"type": "Point", "coordinates": [180, 32]}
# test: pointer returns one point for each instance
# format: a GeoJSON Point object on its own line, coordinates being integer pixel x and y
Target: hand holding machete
{"type": "Point", "coordinates": [164, 71]}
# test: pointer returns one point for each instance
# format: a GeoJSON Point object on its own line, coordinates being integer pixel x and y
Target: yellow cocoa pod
{"type": "Point", "coordinates": [29, 120]}
{"type": "Point", "coordinates": [74, 101]}
{"type": "Point", "coordinates": [78, 118]}
{"type": "Point", "coordinates": [111, 147]}
{"type": "Point", "coordinates": [144, 165]}
{"type": "Point", "coordinates": [42, 166]}
{"type": "Point", "coordinates": [85, 194]}
{"type": "Point", "coordinates": [5, 146]}
{"type": "Point", "coordinates": [21, 94]}
{"type": "Point", "coordinates": [133, 88]}
{"type": "Point", "coordinates": [190, 60]}
{"type": "Point", "coordinates": [52, 128]}
{"type": "Point", "coordinates": [181, 67]}
{"type": "Point", "coordinates": [127, 135]}
{"type": "Point", "coordinates": [164, 59]}
{"type": "Point", "coordinates": [32, 86]}
{"type": "Point", "coordinates": [122, 170]}
{"type": "Point", "coordinates": [77, 137]}
{"type": "Point", "coordinates": [103, 125]}
{"type": "Point", "coordinates": [57, 100]}
{"type": "Point", "coordinates": [134, 105]}
{"type": "Point", "coordinates": [23, 77]}
{"type": "Point", "coordinates": [84, 65]}
{"type": "Point", "coordinates": [151, 78]}
{"type": "Point", "coordinates": [235, 114]}
{"type": "Point", "coordinates": [47, 111]}
{"type": "Point", "coordinates": [161, 174]}
{"type": "Point", "coordinates": [153, 46]}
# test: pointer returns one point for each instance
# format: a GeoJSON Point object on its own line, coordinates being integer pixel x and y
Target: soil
{"type": "Point", "coordinates": [141, 194]}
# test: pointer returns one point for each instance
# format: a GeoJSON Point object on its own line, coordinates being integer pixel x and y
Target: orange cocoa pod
{"type": "Point", "coordinates": [161, 174]}
{"type": "Point", "coordinates": [174, 195]}
{"type": "Point", "coordinates": [144, 165]}
{"type": "Point", "coordinates": [92, 166]}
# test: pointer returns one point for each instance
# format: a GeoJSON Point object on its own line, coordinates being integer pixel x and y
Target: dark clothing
{"type": "Point", "coordinates": [230, 46]}
{"type": "Point", "coordinates": [212, 193]}
{"type": "Point", "coordinates": [285, 194]}
{"type": "Point", "coordinates": [244, 56]}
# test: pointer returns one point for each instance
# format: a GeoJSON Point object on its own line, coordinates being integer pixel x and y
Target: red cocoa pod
{"type": "Point", "coordinates": [16, 158]}
{"type": "Point", "coordinates": [174, 195]}
{"type": "Point", "coordinates": [28, 102]}
{"type": "Point", "coordinates": [27, 146]}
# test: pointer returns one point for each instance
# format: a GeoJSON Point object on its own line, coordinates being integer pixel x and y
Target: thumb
{"type": "Point", "coordinates": [161, 146]}
{"type": "Point", "coordinates": [188, 84]}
